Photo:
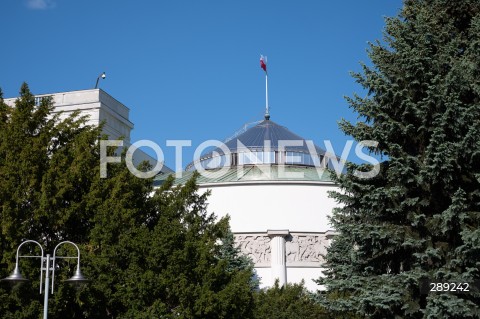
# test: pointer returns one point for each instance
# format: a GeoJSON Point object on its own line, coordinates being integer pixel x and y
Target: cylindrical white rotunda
{"type": "Point", "coordinates": [274, 185]}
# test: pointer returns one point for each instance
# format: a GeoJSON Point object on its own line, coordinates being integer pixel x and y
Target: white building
{"type": "Point", "coordinates": [274, 186]}
{"type": "Point", "coordinates": [99, 107]}
{"type": "Point", "coordinates": [271, 182]}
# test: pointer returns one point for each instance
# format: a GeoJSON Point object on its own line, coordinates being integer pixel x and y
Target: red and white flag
{"type": "Point", "coordinates": [263, 63]}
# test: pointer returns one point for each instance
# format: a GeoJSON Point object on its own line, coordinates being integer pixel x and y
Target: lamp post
{"type": "Point", "coordinates": [47, 264]}
{"type": "Point", "coordinates": [103, 76]}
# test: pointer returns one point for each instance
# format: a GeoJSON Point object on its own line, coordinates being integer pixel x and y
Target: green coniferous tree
{"type": "Point", "coordinates": [419, 218]}
{"type": "Point", "coordinates": [46, 167]}
{"type": "Point", "coordinates": [291, 301]}
{"type": "Point", "coordinates": [149, 254]}
{"type": "Point", "coordinates": [165, 264]}
{"type": "Point", "coordinates": [230, 252]}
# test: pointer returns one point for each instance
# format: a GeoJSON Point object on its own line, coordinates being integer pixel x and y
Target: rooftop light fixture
{"type": "Point", "coordinates": [103, 76]}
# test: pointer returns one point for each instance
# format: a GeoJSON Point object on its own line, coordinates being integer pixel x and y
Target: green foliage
{"type": "Point", "coordinates": [149, 254]}
{"type": "Point", "coordinates": [291, 301]}
{"type": "Point", "coordinates": [45, 168]}
{"type": "Point", "coordinates": [419, 217]}
{"type": "Point", "coordinates": [230, 252]}
{"type": "Point", "coordinates": [165, 263]}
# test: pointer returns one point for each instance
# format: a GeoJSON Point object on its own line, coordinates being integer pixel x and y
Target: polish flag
{"type": "Point", "coordinates": [263, 63]}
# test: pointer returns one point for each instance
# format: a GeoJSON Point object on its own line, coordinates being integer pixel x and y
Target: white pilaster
{"type": "Point", "coordinates": [278, 261]}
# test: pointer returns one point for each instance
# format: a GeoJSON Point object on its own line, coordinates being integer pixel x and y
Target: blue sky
{"type": "Point", "coordinates": [189, 69]}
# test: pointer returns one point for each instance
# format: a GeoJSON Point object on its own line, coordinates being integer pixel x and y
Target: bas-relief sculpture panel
{"type": "Point", "coordinates": [301, 249]}
{"type": "Point", "coordinates": [306, 249]}
{"type": "Point", "coordinates": [256, 246]}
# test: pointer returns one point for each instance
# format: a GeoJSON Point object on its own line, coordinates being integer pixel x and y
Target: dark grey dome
{"type": "Point", "coordinates": [255, 137]}
{"type": "Point", "coordinates": [265, 143]}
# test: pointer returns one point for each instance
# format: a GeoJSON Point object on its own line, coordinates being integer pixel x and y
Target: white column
{"type": "Point", "coordinates": [278, 260]}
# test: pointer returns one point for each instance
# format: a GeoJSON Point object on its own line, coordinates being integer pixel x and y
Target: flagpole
{"type": "Point", "coordinates": [263, 65]}
{"type": "Point", "coordinates": [267, 114]}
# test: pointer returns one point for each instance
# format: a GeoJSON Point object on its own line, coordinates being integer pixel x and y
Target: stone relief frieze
{"type": "Point", "coordinates": [306, 248]}
{"type": "Point", "coordinates": [255, 246]}
{"type": "Point", "coordinates": [301, 249]}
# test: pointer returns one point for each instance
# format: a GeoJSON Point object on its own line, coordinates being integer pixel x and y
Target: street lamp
{"type": "Point", "coordinates": [47, 264]}
{"type": "Point", "coordinates": [103, 76]}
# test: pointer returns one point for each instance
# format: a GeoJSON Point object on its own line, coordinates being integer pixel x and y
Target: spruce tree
{"type": "Point", "coordinates": [418, 219]}
{"type": "Point", "coordinates": [232, 253]}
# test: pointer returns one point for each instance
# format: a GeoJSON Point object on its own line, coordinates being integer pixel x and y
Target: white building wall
{"type": "Point", "coordinates": [257, 209]}
{"type": "Point", "coordinates": [98, 106]}
{"type": "Point", "coordinates": [297, 274]}
{"type": "Point", "coordinates": [259, 206]}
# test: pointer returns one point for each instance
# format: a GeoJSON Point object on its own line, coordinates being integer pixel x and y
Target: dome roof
{"type": "Point", "coordinates": [265, 143]}
{"type": "Point", "coordinates": [267, 130]}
